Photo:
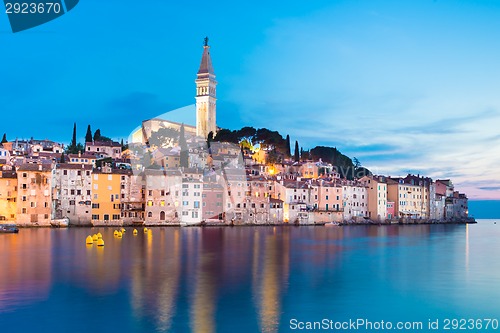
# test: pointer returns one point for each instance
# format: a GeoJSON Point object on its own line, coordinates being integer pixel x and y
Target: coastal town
{"type": "Point", "coordinates": [171, 173]}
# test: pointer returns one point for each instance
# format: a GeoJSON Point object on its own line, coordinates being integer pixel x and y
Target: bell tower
{"type": "Point", "coordinates": [205, 95]}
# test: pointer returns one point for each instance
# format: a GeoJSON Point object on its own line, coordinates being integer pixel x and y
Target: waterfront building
{"type": "Point", "coordinates": [191, 206]}
{"type": "Point", "coordinates": [108, 185]}
{"type": "Point", "coordinates": [8, 196]}
{"type": "Point", "coordinates": [163, 196]}
{"type": "Point", "coordinates": [390, 210]}
{"type": "Point", "coordinates": [411, 196]}
{"type": "Point", "coordinates": [376, 187]}
{"type": "Point", "coordinates": [133, 199]}
{"type": "Point", "coordinates": [34, 200]}
{"type": "Point", "coordinates": [275, 210]}
{"type": "Point", "coordinates": [355, 200]}
{"type": "Point", "coordinates": [437, 204]}
{"type": "Point", "coordinates": [212, 200]}
{"type": "Point", "coordinates": [72, 192]}
{"type": "Point", "coordinates": [298, 198]}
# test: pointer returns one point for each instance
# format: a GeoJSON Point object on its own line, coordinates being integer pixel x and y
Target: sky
{"type": "Point", "coordinates": [404, 86]}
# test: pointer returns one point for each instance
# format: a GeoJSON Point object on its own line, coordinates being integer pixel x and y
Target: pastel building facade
{"type": "Point", "coordinates": [72, 192]}
{"type": "Point", "coordinates": [34, 200]}
{"type": "Point", "coordinates": [376, 187]}
{"type": "Point", "coordinates": [8, 196]}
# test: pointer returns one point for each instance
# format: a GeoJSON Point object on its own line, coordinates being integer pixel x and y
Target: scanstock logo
{"type": "Point", "coordinates": [27, 14]}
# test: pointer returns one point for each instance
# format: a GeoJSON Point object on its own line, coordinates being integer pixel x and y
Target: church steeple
{"type": "Point", "coordinates": [206, 62]}
{"type": "Point", "coordinates": [205, 94]}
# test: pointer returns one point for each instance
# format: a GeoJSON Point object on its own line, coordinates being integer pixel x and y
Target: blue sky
{"type": "Point", "coordinates": [405, 86]}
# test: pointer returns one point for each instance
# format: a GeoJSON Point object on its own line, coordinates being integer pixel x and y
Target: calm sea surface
{"type": "Point", "coordinates": [247, 279]}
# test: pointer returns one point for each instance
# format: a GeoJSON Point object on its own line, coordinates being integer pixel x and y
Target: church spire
{"type": "Point", "coordinates": [206, 62]}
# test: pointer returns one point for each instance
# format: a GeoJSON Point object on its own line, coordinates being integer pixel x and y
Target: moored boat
{"type": "Point", "coordinates": [8, 229]}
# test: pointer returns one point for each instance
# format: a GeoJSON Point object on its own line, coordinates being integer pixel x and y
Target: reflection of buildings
{"type": "Point", "coordinates": [204, 250]}
{"type": "Point", "coordinates": [156, 275]}
{"type": "Point", "coordinates": [25, 275]}
{"type": "Point", "coordinates": [270, 269]}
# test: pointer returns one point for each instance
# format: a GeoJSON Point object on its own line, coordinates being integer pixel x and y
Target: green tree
{"type": "Point", "coordinates": [73, 146]}
{"type": "Point", "coordinates": [296, 155]}
{"type": "Point", "coordinates": [62, 159]}
{"type": "Point", "coordinates": [210, 138]}
{"type": "Point", "coordinates": [356, 162]}
{"type": "Point", "coordinates": [184, 154]}
{"type": "Point", "coordinates": [4, 138]}
{"type": "Point", "coordinates": [88, 136]}
{"type": "Point", "coordinates": [97, 135]}
{"type": "Point", "coordinates": [288, 148]}
{"type": "Point", "coordinates": [73, 140]}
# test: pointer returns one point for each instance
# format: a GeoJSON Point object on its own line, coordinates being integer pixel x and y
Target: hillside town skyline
{"type": "Point", "coordinates": [192, 174]}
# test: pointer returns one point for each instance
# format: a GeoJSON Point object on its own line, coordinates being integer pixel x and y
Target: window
{"type": "Point", "coordinates": [150, 203]}
{"type": "Point", "coordinates": [25, 175]}
{"type": "Point", "coordinates": [72, 202]}
{"type": "Point", "coordinates": [162, 203]}
{"type": "Point", "coordinates": [150, 214]}
{"type": "Point", "coordinates": [32, 204]}
{"type": "Point", "coordinates": [106, 217]}
{"type": "Point", "coordinates": [65, 172]}
{"type": "Point", "coordinates": [195, 215]}
{"type": "Point", "coordinates": [196, 204]}
{"type": "Point", "coordinates": [162, 216]}
{"type": "Point", "coordinates": [116, 216]}
{"type": "Point", "coordinates": [23, 211]}
{"type": "Point", "coordinates": [23, 198]}
{"type": "Point", "coordinates": [185, 203]}
{"type": "Point", "coordinates": [95, 205]}
{"type": "Point", "coordinates": [88, 193]}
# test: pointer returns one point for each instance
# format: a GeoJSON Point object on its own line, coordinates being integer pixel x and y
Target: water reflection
{"type": "Point", "coordinates": [25, 272]}
{"type": "Point", "coordinates": [247, 279]}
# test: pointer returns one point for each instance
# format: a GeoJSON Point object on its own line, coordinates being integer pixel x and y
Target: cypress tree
{"type": "Point", "coordinates": [184, 154]}
{"type": "Point", "coordinates": [297, 156]}
{"type": "Point", "coordinates": [4, 138]}
{"type": "Point", "coordinates": [288, 148]}
{"type": "Point", "coordinates": [97, 135]}
{"type": "Point", "coordinates": [63, 158]}
{"type": "Point", "coordinates": [73, 140]}
{"type": "Point", "coordinates": [88, 136]}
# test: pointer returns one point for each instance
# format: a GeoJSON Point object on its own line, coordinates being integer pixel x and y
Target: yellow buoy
{"type": "Point", "coordinates": [89, 240]}
{"type": "Point", "coordinates": [119, 234]}
{"type": "Point", "coordinates": [94, 237]}
{"type": "Point", "coordinates": [135, 231]}
{"type": "Point", "coordinates": [100, 242]}
{"type": "Point", "coordinates": [115, 233]}
{"type": "Point", "coordinates": [145, 230]}
{"type": "Point", "coordinates": [99, 235]}
{"type": "Point", "coordinates": [123, 230]}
